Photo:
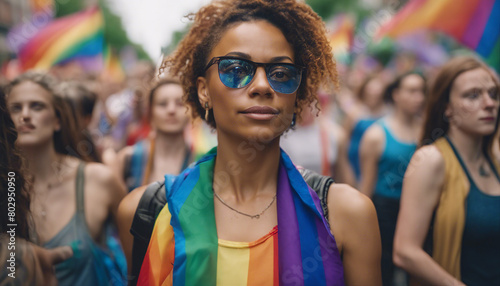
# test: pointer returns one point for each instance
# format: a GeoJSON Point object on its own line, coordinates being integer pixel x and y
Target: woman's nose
{"type": "Point", "coordinates": [25, 113]}
{"type": "Point", "coordinates": [488, 100]}
{"type": "Point", "coordinates": [260, 84]}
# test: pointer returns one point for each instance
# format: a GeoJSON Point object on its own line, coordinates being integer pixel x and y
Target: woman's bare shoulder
{"type": "Point", "coordinates": [99, 172]}
{"type": "Point", "coordinates": [346, 200]}
{"type": "Point", "coordinates": [129, 203]}
{"type": "Point", "coordinates": [352, 217]}
{"type": "Point", "coordinates": [427, 160]}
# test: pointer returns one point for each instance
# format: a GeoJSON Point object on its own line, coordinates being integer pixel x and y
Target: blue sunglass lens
{"type": "Point", "coordinates": [284, 78]}
{"type": "Point", "coordinates": [237, 73]}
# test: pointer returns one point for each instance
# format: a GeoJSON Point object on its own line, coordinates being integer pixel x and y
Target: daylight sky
{"type": "Point", "coordinates": [151, 23]}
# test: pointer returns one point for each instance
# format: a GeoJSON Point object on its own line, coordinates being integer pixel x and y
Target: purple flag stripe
{"type": "Point", "coordinates": [477, 23]}
{"type": "Point", "coordinates": [288, 234]}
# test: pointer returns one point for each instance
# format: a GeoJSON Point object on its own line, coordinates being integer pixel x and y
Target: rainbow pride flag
{"type": "Point", "coordinates": [112, 66]}
{"type": "Point", "coordinates": [79, 35]}
{"type": "Point", "coordinates": [474, 23]}
{"type": "Point", "coordinates": [341, 36]}
{"type": "Point", "coordinates": [184, 248]}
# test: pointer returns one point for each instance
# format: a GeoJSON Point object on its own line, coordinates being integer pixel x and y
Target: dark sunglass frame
{"type": "Point", "coordinates": [255, 65]}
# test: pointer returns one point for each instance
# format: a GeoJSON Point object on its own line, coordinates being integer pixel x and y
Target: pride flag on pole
{"type": "Point", "coordinates": [77, 36]}
{"type": "Point", "coordinates": [474, 23]}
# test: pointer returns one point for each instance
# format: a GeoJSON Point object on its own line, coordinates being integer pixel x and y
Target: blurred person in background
{"type": "Point", "coordinates": [166, 151]}
{"type": "Point", "coordinates": [127, 107]}
{"type": "Point", "coordinates": [448, 229]}
{"type": "Point", "coordinates": [72, 199]}
{"type": "Point", "coordinates": [369, 108]}
{"type": "Point", "coordinates": [319, 144]}
{"type": "Point", "coordinates": [82, 100]}
{"type": "Point", "coordinates": [385, 151]}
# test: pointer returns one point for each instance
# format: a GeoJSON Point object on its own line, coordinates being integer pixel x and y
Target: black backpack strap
{"type": "Point", "coordinates": [150, 205]}
{"type": "Point", "coordinates": [320, 184]}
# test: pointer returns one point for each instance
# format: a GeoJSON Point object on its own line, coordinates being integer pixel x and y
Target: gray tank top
{"type": "Point", "coordinates": [80, 268]}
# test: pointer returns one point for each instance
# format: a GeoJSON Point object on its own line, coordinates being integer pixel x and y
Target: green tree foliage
{"type": "Point", "coordinates": [115, 34]}
{"type": "Point", "coordinates": [328, 8]}
{"type": "Point", "coordinates": [176, 38]}
{"type": "Point", "coordinates": [64, 8]}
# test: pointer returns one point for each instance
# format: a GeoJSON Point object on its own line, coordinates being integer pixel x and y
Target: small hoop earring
{"type": "Point", "coordinates": [294, 120]}
{"type": "Point", "coordinates": [206, 111]}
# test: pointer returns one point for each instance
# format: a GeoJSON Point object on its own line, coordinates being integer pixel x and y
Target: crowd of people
{"type": "Point", "coordinates": [186, 174]}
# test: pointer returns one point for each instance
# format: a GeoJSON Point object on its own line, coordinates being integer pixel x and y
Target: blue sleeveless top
{"type": "Point", "coordinates": [138, 162]}
{"type": "Point", "coordinates": [480, 261]}
{"type": "Point", "coordinates": [88, 264]}
{"type": "Point", "coordinates": [392, 164]}
{"type": "Point", "coordinates": [135, 173]}
{"type": "Point", "coordinates": [356, 135]}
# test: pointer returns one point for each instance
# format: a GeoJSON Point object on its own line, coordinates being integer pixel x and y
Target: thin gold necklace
{"type": "Point", "coordinates": [256, 216]}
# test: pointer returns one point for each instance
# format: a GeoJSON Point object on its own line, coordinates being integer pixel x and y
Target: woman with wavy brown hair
{"type": "Point", "coordinates": [451, 188]}
{"type": "Point", "coordinates": [32, 264]}
{"type": "Point", "coordinates": [247, 67]}
{"type": "Point", "coordinates": [71, 198]}
{"type": "Point", "coordinates": [12, 178]}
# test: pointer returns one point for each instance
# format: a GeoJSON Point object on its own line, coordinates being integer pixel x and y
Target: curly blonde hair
{"type": "Point", "coordinates": [301, 26]}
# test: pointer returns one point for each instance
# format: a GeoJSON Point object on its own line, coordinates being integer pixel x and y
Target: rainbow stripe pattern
{"type": "Point", "coordinates": [112, 66]}
{"type": "Point", "coordinates": [474, 23]}
{"type": "Point", "coordinates": [341, 36]}
{"type": "Point", "coordinates": [185, 250]}
{"type": "Point", "coordinates": [79, 35]}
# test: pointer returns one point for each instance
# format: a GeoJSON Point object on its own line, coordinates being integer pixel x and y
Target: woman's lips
{"type": "Point", "coordinates": [25, 128]}
{"type": "Point", "coordinates": [488, 119]}
{"type": "Point", "coordinates": [260, 112]}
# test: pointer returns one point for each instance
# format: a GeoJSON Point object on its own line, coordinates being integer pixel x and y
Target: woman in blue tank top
{"type": "Point", "coordinates": [386, 149]}
{"type": "Point", "coordinates": [451, 196]}
{"type": "Point", "coordinates": [358, 120]}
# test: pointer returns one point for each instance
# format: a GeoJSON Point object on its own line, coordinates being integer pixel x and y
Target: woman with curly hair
{"type": "Point", "coordinates": [247, 68]}
{"type": "Point", "coordinates": [451, 189]}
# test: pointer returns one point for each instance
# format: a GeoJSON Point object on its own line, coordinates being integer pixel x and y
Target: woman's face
{"type": "Point", "coordinates": [374, 92]}
{"type": "Point", "coordinates": [33, 114]}
{"type": "Point", "coordinates": [409, 96]}
{"type": "Point", "coordinates": [168, 112]}
{"type": "Point", "coordinates": [474, 102]}
{"type": "Point", "coordinates": [256, 111]}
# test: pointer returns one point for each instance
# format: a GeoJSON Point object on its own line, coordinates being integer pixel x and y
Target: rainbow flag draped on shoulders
{"type": "Point", "coordinates": [474, 23]}
{"type": "Point", "coordinates": [80, 35]}
{"type": "Point", "coordinates": [185, 250]}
